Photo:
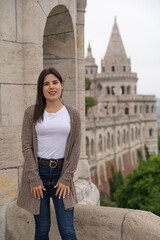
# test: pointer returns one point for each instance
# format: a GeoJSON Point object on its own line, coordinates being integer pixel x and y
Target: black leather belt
{"type": "Point", "coordinates": [53, 163]}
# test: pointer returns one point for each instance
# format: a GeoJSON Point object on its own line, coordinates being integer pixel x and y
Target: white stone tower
{"type": "Point", "coordinates": [122, 122]}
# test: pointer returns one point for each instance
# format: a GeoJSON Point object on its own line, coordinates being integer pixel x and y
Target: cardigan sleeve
{"type": "Point", "coordinates": [75, 152]}
{"type": "Point", "coordinates": [31, 172]}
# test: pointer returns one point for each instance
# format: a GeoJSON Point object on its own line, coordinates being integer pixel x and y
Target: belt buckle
{"type": "Point", "coordinates": [50, 164]}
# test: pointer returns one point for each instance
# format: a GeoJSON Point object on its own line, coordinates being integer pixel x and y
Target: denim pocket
{"type": "Point", "coordinates": [69, 209]}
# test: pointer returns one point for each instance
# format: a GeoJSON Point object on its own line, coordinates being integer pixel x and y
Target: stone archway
{"type": "Point", "coordinates": [59, 49]}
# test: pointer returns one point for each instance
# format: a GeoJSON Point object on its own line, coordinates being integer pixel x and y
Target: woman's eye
{"type": "Point", "coordinates": [55, 82]}
{"type": "Point", "coordinates": [45, 83]}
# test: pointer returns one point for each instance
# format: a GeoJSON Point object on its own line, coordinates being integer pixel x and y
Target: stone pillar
{"type": "Point", "coordinates": [87, 192]}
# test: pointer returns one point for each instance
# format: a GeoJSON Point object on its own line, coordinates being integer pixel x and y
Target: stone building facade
{"type": "Point", "coordinates": [122, 122]}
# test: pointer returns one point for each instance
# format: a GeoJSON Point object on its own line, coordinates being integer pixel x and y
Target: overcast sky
{"type": "Point", "coordinates": [139, 26]}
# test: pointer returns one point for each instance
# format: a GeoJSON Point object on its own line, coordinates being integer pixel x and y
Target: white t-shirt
{"type": "Point", "coordinates": [52, 134]}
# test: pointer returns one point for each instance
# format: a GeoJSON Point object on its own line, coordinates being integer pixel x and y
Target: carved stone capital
{"type": "Point", "coordinates": [81, 4]}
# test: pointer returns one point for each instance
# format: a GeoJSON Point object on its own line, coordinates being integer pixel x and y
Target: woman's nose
{"type": "Point", "coordinates": [51, 85]}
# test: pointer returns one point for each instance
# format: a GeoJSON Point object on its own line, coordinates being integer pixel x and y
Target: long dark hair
{"type": "Point", "coordinates": [40, 100]}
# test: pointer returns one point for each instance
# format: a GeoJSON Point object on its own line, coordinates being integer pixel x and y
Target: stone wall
{"type": "Point", "coordinates": [91, 222]}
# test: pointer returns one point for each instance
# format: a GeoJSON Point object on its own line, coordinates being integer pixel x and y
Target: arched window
{"type": "Point", "coordinates": [152, 109]}
{"type": "Point", "coordinates": [108, 140]}
{"type": "Point", "coordinates": [124, 136]}
{"type": "Point", "coordinates": [127, 137]}
{"type": "Point", "coordinates": [132, 134]}
{"type": "Point", "coordinates": [113, 109]}
{"type": "Point", "coordinates": [108, 90]}
{"type": "Point", "coordinates": [113, 68]}
{"type": "Point", "coordinates": [124, 68]}
{"type": "Point", "coordinates": [103, 69]}
{"type": "Point", "coordinates": [122, 90]}
{"type": "Point", "coordinates": [135, 109]}
{"type": "Point", "coordinates": [92, 147]}
{"type": "Point", "coordinates": [105, 143]}
{"type": "Point", "coordinates": [87, 146]}
{"type": "Point", "coordinates": [118, 138]}
{"type": "Point", "coordinates": [141, 109]}
{"type": "Point", "coordinates": [128, 90]}
{"type": "Point", "coordinates": [136, 133]}
{"type": "Point", "coordinates": [147, 109]}
{"type": "Point", "coordinates": [100, 143]}
{"type": "Point", "coordinates": [126, 111]}
{"type": "Point", "coordinates": [91, 71]}
{"type": "Point", "coordinates": [113, 90]}
{"type": "Point", "coordinates": [86, 71]}
{"type": "Point", "coordinates": [150, 132]}
{"type": "Point", "coordinates": [112, 141]}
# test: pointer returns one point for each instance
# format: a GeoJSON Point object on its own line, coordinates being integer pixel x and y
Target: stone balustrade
{"type": "Point", "coordinates": [91, 223]}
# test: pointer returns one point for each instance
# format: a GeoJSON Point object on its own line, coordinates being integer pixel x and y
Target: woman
{"type": "Point", "coordinates": [51, 136]}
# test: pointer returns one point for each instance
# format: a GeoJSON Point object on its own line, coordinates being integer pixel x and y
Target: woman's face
{"type": "Point", "coordinates": [52, 88]}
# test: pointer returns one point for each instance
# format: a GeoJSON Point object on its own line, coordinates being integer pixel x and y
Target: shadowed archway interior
{"type": "Point", "coordinates": [59, 49]}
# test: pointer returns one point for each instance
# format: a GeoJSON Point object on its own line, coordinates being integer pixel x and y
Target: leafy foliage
{"type": "Point", "coordinates": [89, 102]}
{"type": "Point", "coordinates": [158, 143]}
{"type": "Point", "coordinates": [87, 83]}
{"type": "Point", "coordinates": [141, 189]}
{"type": "Point", "coordinates": [115, 182]}
{"type": "Point", "coordinates": [104, 202]}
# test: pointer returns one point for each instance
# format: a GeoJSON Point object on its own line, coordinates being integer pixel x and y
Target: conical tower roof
{"type": "Point", "coordinates": [115, 60]}
{"type": "Point", "coordinates": [115, 47]}
{"type": "Point", "coordinates": [90, 60]}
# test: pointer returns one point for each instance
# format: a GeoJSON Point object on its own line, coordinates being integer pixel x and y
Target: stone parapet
{"type": "Point", "coordinates": [138, 98]}
{"type": "Point", "coordinates": [91, 222]}
{"type": "Point", "coordinates": [116, 75]}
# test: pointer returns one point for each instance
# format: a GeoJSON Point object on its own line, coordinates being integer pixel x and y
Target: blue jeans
{"type": "Point", "coordinates": [64, 217]}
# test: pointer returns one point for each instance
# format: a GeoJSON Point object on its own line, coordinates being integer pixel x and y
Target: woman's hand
{"type": "Point", "coordinates": [37, 191]}
{"type": "Point", "coordinates": [62, 190]}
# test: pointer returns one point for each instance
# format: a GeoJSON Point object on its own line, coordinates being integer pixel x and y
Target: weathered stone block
{"type": "Point", "coordinates": [30, 92]}
{"type": "Point", "coordinates": [8, 18]}
{"type": "Point", "coordinates": [19, 20]}
{"type": "Point", "coordinates": [141, 225]}
{"type": "Point", "coordinates": [8, 184]}
{"type": "Point", "coordinates": [11, 104]}
{"type": "Point", "coordinates": [30, 30]}
{"type": "Point", "coordinates": [11, 62]}
{"type": "Point", "coordinates": [10, 147]}
{"type": "Point", "coordinates": [59, 46]}
{"type": "Point", "coordinates": [33, 62]}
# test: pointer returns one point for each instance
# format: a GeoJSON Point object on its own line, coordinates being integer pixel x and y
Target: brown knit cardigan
{"type": "Point", "coordinates": [30, 175]}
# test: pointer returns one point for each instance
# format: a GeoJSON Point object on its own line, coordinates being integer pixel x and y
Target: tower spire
{"type": "Point", "coordinates": [115, 46]}
{"type": "Point", "coordinates": [89, 57]}
{"type": "Point", "coordinates": [115, 59]}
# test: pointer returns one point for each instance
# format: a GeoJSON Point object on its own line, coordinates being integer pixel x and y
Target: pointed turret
{"type": "Point", "coordinates": [90, 65]}
{"type": "Point", "coordinates": [115, 59]}
{"type": "Point", "coordinates": [115, 46]}
{"type": "Point", "coordinates": [89, 59]}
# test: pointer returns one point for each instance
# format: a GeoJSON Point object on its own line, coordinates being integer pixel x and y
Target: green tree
{"type": "Point", "coordinates": [115, 182]}
{"type": "Point", "coordinates": [87, 83]}
{"type": "Point", "coordinates": [158, 143]}
{"type": "Point", "coordinates": [141, 189]}
{"type": "Point", "coordinates": [89, 102]}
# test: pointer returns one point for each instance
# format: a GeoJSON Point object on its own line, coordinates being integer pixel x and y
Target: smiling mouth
{"type": "Point", "coordinates": [52, 93]}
